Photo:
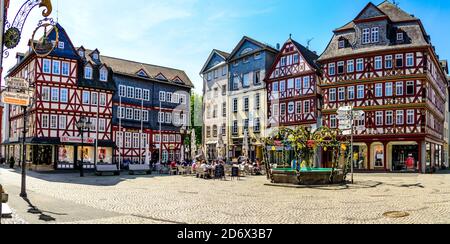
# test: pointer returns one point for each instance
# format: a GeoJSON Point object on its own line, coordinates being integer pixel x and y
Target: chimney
{"type": "Point", "coordinates": [278, 46]}
{"type": "Point", "coordinates": [20, 57]}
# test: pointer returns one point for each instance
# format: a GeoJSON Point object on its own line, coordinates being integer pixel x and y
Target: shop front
{"type": "Point", "coordinates": [403, 156]}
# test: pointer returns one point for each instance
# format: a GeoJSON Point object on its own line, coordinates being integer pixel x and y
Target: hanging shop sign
{"type": "Point", "coordinates": [17, 83]}
{"type": "Point", "coordinates": [18, 99]}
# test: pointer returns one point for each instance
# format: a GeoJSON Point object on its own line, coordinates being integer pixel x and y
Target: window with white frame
{"type": "Point", "coordinates": [400, 114]}
{"type": "Point", "coordinates": [283, 109]}
{"type": "Point", "coordinates": [129, 114]}
{"type": "Point", "coordinates": [138, 93]}
{"type": "Point", "coordinates": [157, 138]}
{"type": "Point", "coordinates": [332, 96]}
{"type": "Point", "coordinates": [351, 92]}
{"type": "Point", "coordinates": [340, 67]}
{"type": "Point", "coordinates": [246, 80]}
{"type": "Point", "coordinates": [389, 117]}
{"type": "Point", "coordinates": [400, 36]}
{"type": "Point", "coordinates": [275, 110]}
{"type": "Point", "coordinates": [121, 112]}
{"type": "Point", "coordinates": [61, 45]}
{"type": "Point", "coordinates": [341, 94]}
{"type": "Point", "coordinates": [375, 35]}
{"type": "Point", "coordinates": [306, 83]}
{"type": "Point", "coordinates": [235, 82]}
{"type": "Point", "coordinates": [283, 61]}
{"type": "Point", "coordinates": [64, 95]}
{"type": "Point", "coordinates": [135, 140]}
{"type": "Point", "coordinates": [341, 44]}
{"type": "Point", "coordinates": [168, 118]}
{"type": "Point", "coordinates": [162, 96]}
{"type": "Point", "coordinates": [235, 127]}
{"type": "Point", "coordinates": [246, 104]}
{"type": "Point", "coordinates": [388, 62]}
{"type": "Point", "coordinates": [379, 118]}
{"type": "Point", "coordinates": [176, 98]}
{"type": "Point", "coordinates": [103, 74]}
{"type": "Point", "coordinates": [410, 60]}
{"type": "Point", "coordinates": [333, 121]}
{"type": "Point", "coordinates": [360, 93]}
{"type": "Point", "coordinates": [235, 105]}
{"type": "Point", "coordinates": [169, 97]}
{"type": "Point", "coordinates": [137, 114]}
{"type": "Point", "coordinates": [378, 63]}
{"type": "Point", "coordinates": [399, 60]}
{"type": "Point", "coordinates": [94, 98]}
{"type": "Point", "coordinates": [55, 94]}
{"type": "Point", "coordinates": [290, 84]}
{"type": "Point", "coordinates": [183, 119]}
{"type": "Point", "coordinates": [410, 119]}
{"type": "Point", "coordinates": [389, 89]}
{"type": "Point", "coordinates": [56, 67]}
{"type": "Point", "coordinates": [399, 88]}
{"type": "Point", "coordinates": [275, 87]}
{"type": "Point", "coordinates": [46, 63]}
{"type": "Point", "coordinates": [102, 99]}
{"type": "Point", "coordinates": [145, 116]}
{"type": "Point", "coordinates": [65, 68]}
{"type": "Point", "coordinates": [410, 88]}
{"type": "Point", "coordinates": [296, 58]}
{"type": "Point", "coordinates": [53, 121]}
{"type": "Point", "coordinates": [306, 107]}
{"type": "Point", "coordinates": [45, 94]}
{"type": "Point", "coordinates": [378, 90]}
{"type": "Point", "coordinates": [298, 83]}
{"type": "Point", "coordinates": [298, 106]}
{"type": "Point", "coordinates": [257, 101]}
{"type": "Point", "coordinates": [86, 97]}
{"type": "Point", "coordinates": [360, 65]}
{"type": "Point", "coordinates": [128, 140]}
{"type": "Point", "coordinates": [119, 139]}
{"type": "Point", "coordinates": [62, 122]}
{"type": "Point", "coordinates": [94, 124]}
{"type": "Point", "coordinates": [101, 125]}
{"type": "Point", "coordinates": [88, 72]}
{"type": "Point", "coordinates": [257, 125]}
{"type": "Point", "coordinates": [146, 94]}
{"type": "Point", "coordinates": [161, 117]}
{"type": "Point", "coordinates": [130, 92]}
{"type": "Point", "coordinates": [282, 86]}
{"type": "Point", "coordinates": [365, 36]}
{"type": "Point", "coordinates": [122, 91]}
{"type": "Point", "coordinates": [331, 69]}
{"type": "Point", "coordinates": [350, 66]}
{"type": "Point", "coordinates": [45, 121]}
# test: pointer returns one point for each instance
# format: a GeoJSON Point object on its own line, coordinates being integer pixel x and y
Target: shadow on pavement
{"type": "Point", "coordinates": [43, 217]}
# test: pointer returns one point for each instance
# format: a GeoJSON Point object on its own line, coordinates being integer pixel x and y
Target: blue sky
{"type": "Point", "coordinates": [182, 33]}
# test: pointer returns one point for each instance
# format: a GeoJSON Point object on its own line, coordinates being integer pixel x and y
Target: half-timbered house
{"type": "Point", "coordinates": [292, 96]}
{"type": "Point", "coordinates": [63, 93]}
{"type": "Point", "coordinates": [383, 62]}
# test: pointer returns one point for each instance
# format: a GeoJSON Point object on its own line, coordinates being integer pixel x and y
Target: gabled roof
{"type": "Point", "coordinates": [260, 44]}
{"type": "Point", "coordinates": [309, 56]}
{"type": "Point", "coordinates": [393, 12]}
{"type": "Point", "coordinates": [222, 54]}
{"type": "Point", "coordinates": [131, 68]}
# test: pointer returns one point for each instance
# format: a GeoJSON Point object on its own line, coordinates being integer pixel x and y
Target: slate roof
{"type": "Point", "coordinates": [246, 38]}
{"type": "Point", "coordinates": [309, 56]}
{"type": "Point", "coordinates": [399, 19]}
{"type": "Point", "coordinates": [131, 68]}
{"type": "Point", "coordinates": [225, 55]}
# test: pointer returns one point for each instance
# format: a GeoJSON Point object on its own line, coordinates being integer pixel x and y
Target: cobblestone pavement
{"type": "Point", "coordinates": [13, 220]}
{"type": "Point", "coordinates": [180, 199]}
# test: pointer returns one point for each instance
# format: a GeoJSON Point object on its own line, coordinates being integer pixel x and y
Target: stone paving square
{"type": "Point", "coordinates": [65, 198]}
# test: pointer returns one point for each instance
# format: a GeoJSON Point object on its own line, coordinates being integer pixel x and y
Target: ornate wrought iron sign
{"type": "Point", "coordinates": [44, 46]}
{"type": "Point", "coordinates": [13, 34]}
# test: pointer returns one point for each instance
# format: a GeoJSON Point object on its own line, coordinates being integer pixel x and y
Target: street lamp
{"type": "Point", "coordinates": [83, 125]}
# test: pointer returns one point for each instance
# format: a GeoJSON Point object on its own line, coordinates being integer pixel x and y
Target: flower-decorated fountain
{"type": "Point", "coordinates": [304, 146]}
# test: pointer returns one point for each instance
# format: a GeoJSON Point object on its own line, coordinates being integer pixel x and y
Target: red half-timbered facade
{"type": "Point", "coordinates": [292, 87]}
{"type": "Point", "coordinates": [384, 64]}
{"type": "Point", "coordinates": [61, 97]}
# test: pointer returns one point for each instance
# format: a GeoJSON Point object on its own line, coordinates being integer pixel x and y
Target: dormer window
{"type": "Point", "coordinates": [341, 43]}
{"type": "Point", "coordinates": [103, 74]}
{"type": "Point", "coordinates": [95, 56]}
{"type": "Point", "coordinates": [61, 45]}
{"type": "Point", "coordinates": [375, 35]}
{"type": "Point", "coordinates": [81, 53]}
{"type": "Point", "coordinates": [88, 72]}
{"type": "Point", "coordinates": [400, 36]}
